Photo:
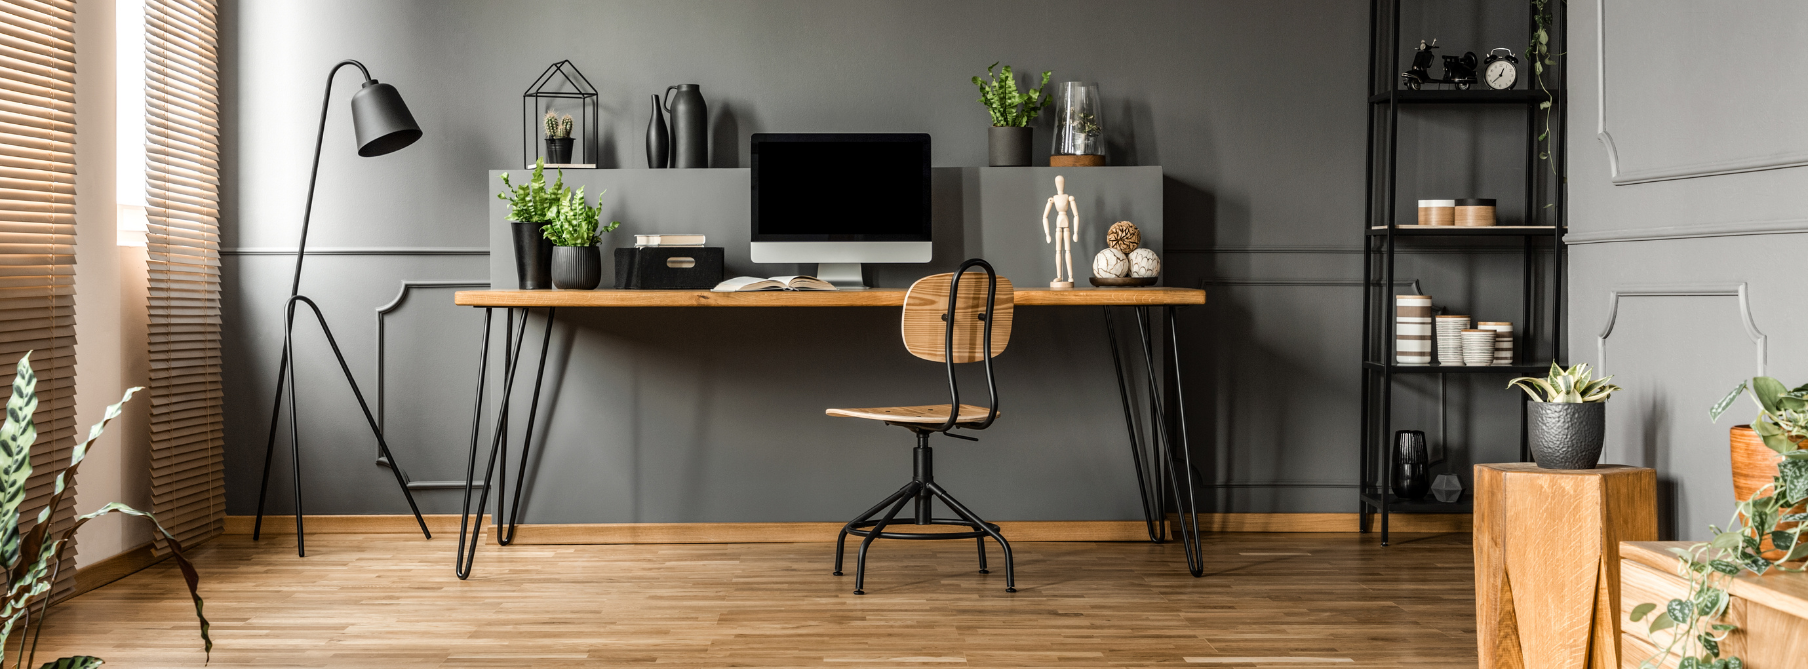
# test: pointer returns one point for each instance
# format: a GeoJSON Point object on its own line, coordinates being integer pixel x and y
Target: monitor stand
{"type": "Point", "coordinates": [844, 275]}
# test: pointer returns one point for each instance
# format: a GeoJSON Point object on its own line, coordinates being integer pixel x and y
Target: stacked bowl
{"type": "Point", "coordinates": [1503, 341]}
{"type": "Point", "coordinates": [1478, 348]}
{"type": "Point", "coordinates": [1450, 339]}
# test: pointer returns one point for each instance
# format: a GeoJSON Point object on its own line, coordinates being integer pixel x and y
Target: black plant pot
{"type": "Point", "coordinates": [1412, 465]}
{"type": "Point", "coordinates": [533, 256]}
{"type": "Point", "coordinates": [1008, 147]}
{"type": "Point", "coordinates": [558, 150]}
{"type": "Point", "coordinates": [1567, 436]}
{"type": "Point", "coordinates": [576, 267]}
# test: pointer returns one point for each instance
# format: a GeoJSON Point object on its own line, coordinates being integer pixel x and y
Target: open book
{"type": "Point", "coordinates": [748, 284]}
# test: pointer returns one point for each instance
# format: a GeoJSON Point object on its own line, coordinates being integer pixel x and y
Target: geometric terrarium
{"type": "Point", "coordinates": [561, 91]}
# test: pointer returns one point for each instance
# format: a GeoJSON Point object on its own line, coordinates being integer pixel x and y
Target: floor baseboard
{"type": "Point", "coordinates": [114, 568]}
{"type": "Point", "coordinates": [729, 533]}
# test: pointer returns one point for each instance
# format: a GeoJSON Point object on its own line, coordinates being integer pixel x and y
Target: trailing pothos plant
{"type": "Point", "coordinates": [534, 201]}
{"type": "Point", "coordinates": [1774, 513]}
{"type": "Point", "coordinates": [574, 221]}
{"type": "Point", "coordinates": [1538, 51]}
{"type": "Point", "coordinates": [32, 559]}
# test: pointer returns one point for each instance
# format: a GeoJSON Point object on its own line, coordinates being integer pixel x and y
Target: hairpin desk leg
{"type": "Point", "coordinates": [461, 566]}
{"type": "Point", "coordinates": [471, 527]}
{"type": "Point", "coordinates": [1151, 503]}
{"type": "Point", "coordinates": [1177, 463]}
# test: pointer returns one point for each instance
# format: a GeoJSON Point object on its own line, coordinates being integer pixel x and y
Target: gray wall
{"type": "Point", "coordinates": [1253, 111]}
{"type": "Point", "coordinates": [1684, 200]}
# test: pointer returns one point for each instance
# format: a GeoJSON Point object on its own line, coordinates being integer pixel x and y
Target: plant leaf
{"type": "Point", "coordinates": [1767, 390]}
{"type": "Point", "coordinates": [78, 662]}
{"type": "Point", "coordinates": [1638, 612]}
{"type": "Point", "coordinates": [1725, 403]}
{"type": "Point", "coordinates": [1660, 623]}
{"type": "Point", "coordinates": [17, 435]}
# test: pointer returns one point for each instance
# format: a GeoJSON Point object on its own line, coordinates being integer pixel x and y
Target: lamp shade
{"type": "Point", "coordinates": [381, 120]}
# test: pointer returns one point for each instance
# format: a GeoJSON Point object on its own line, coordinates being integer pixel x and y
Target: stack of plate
{"type": "Point", "coordinates": [1478, 348]}
{"type": "Point", "coordinates": [1450, 339]}
{"type": "Point", "coordinates": [1503, 341]}
{"type": "Point", "coordinates": [1412, 329]}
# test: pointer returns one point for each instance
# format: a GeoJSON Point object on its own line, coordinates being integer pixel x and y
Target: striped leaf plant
{"type": "Point", "coordinates": [31, 559]}
{"type": "Point", "coordinates": [1575, 385]}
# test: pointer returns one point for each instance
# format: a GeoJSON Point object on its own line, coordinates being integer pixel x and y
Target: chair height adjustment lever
{"type": "Point", "coordinates": [960, 436]}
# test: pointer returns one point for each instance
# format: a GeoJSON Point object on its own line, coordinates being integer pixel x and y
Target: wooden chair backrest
{"type": "Point", "coordinates": [927, 302]}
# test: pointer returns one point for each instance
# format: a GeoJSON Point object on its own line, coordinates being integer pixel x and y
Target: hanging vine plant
{"type": "Point", "coordinates": [1538, 51]}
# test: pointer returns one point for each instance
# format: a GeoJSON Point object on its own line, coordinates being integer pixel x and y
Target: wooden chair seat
{"type": "Point", "coordinates": [932, 414]}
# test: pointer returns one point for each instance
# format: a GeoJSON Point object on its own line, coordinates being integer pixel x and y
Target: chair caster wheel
{"type": "Point", "coordinates": [1010, 590]}
{"type": "Point", "coordinates": [837, 573]}
{"type": "Point", "coordinates": [982, 571]}
{"type": "Point", "coordinates": [859, 592]}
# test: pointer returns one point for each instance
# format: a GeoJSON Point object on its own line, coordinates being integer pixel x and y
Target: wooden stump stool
{"type": "Point", "coordinates": [1547, 562]}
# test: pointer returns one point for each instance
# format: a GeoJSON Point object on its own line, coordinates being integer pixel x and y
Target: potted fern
{"type": "Point", "coordinates": [576, 263]}
{"type": "Point", "coordinates": [531, 206]}
{"type": "Point", "coordinates": [1008, 140]}
{"type": "Point", "coordinates": [31, 560]}
{"type": "Point", "coordinates": [1568, 416]}
{"type": "Point", "coordinates": [558, 138]}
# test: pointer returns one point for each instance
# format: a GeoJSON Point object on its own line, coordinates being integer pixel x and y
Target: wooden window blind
{"type": "Point", "coordinates": [37, 235]}
{"type": "Point", "coordinates": [182, 196]}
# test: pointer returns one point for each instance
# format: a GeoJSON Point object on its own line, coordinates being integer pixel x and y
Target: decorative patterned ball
{"type": "Point", "coordinates": [1123, 236]}
{"type": "Point", "coordinates": [1144, 263]}
{"type": "Point", "coordinates": [1110, 264]}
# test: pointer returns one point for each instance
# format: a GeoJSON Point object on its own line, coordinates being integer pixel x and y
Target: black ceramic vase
{"type": "Point", "coordinates": [533, 256]}
{"type": "Point", "coordinates": [1008, 147]}
{"type": "Point", "coordinates": [558, 150]}
{"type": "Point", "coordinates": [659, 144]}
{"type": "Point", "coordinates": [1567, 436]}
{"type": "Point", "coordinates": [690, 126]}
{"type": "Point", "coordinates": [576, 267]}
{"type": "Point", "coordinates": [1412, 465]}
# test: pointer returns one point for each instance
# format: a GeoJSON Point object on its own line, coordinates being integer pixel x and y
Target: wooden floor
{"type": "Point", "coordinates": [392, 601]}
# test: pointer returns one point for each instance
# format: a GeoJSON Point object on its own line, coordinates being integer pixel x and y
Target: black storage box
{"type": "Point", "coordinates": [672, 268]}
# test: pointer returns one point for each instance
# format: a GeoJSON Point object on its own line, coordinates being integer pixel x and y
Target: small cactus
{"type": "Point", "coordinates": [565, 126]}
{"type": "Point", "coordinates": [552, 125]}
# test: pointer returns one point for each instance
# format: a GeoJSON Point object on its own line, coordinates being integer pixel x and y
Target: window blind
{"type": "Point", "coordinates": [182, 195]}
{"type": "Point", "coordinates": [37, 235]}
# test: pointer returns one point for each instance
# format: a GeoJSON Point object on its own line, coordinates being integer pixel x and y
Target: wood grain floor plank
{"type": "Point", "coordinates": [391, 600]}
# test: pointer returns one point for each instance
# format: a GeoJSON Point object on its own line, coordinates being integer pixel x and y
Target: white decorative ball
{"type": "Point", "coordinates": [1110, 264]}
{"type": "Point", "coordinates": [1144, 263]}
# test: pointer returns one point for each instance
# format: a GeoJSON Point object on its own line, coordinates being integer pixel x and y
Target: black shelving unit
{"type": "Point", "coordinates": [1384, 234]}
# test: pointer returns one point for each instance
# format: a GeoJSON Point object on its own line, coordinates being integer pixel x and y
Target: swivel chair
{"type": "Point", "coordinates": [948, 318]}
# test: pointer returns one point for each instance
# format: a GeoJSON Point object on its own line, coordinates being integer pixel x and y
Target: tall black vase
{"type": "Point", "coordinates": [659, 143]}
{"type": "Point", "coordinates": [1412, 465]}
{"type": "Point", "coordinates": [690, 126]}
{"type": "Point", "coordinates": [533, 256]}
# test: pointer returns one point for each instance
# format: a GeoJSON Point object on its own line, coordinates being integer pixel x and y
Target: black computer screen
{"type": "Point", "coordinates": [840, 187]}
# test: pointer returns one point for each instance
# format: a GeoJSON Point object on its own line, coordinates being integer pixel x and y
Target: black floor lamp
{"type": "Point", "coordinates": [383, 125]}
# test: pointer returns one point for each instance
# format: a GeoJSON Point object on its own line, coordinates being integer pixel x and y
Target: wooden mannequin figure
{"type": "Point", "coordinates": [1065, 233]}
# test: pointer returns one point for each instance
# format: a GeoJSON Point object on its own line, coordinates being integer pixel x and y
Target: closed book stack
{"type": "Point", "coordinates": [668, 240]}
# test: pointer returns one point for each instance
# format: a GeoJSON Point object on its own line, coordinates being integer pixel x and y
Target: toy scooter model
{"type": "Point", "coordinates": [1459, 72]}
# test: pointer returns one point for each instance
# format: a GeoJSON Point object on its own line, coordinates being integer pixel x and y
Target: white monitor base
{"type": "Point", "coordinates": [844, 275]}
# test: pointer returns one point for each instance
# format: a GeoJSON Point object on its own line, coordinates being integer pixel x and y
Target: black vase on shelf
{"type": "Point", "coordinates": [1566, 435]}
{"type": "Point", "coordinates": [576, 267]}
{"type": "Point", "coordinates": [690, 126]}
{"type": "Point", "coordinates": [533, 256]}
{"type": "Point", "coordinates": [1412, 464]}
{"type": "Point", "coordinates": [1008, 147]}
{"type": "Point", "coordinates": [558, 150]}
{"type": "Point", "coordinates": [659, 143]}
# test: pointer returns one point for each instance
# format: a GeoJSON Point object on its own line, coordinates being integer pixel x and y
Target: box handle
{"type": "Point", "coordinates": [680, 263]}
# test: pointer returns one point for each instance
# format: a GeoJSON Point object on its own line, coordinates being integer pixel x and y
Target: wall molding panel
{"type": "Point", "coordinates": [382, 347]}
{"type": "Point", "coordinates": [1739, 229]}
{"type": "Point", "coordinates": [1756, 161]}
{"type": "Point", "coordinates": [1734, 290]}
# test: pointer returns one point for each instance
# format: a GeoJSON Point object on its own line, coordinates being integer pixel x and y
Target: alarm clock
{"type": "Point", "coordinates": [1500, 72]}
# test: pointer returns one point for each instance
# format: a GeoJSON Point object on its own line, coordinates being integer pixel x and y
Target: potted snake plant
{"type": "Point", "coordinates": [1568, 416]}
{"type": "Point", "coordinates": [576, 263]}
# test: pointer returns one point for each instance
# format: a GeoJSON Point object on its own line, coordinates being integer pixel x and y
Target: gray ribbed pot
{"type": "Point", "coordinates": [576, 267]}
{"type": "Point", "coordinates": [1567, 436]}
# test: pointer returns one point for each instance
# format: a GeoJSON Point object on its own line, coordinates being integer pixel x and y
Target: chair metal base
{"type": "Point", "coordinates": [923, 490]}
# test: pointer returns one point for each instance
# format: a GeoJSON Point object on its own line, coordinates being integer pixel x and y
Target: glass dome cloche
{"type": "Point", "coordinates": [1079, 130]}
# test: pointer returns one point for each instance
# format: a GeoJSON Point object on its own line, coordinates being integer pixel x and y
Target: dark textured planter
{"type": "Point", "coordinates": [1412, 465]}
{"type": "Point", "coordinates": [1008, 147]}
{"type": "Point", "coordinates": [576, 267]}
{"type": "Point", "coordinates": [533, 256]}
{"type": "Point", "coordinates": [558, 150]}
{"type": "Point", "coordinates": [1567, 436]}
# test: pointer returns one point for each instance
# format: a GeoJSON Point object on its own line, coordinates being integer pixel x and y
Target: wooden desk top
{"type": "Point", "coordinates": [1780, 590]}
{"type": "Point", "coordinates": [876, 297]}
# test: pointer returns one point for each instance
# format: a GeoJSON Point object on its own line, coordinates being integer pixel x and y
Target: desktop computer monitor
{"type": "Point", "coordinates": [841, 199]}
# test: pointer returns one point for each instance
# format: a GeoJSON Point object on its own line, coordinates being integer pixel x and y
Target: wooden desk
{"type": "Point", "coordinates": [1770, 610]}
{"type": "Point", "coordinates": [1162, 464]}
